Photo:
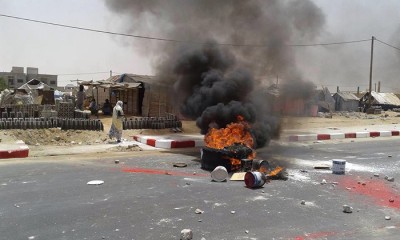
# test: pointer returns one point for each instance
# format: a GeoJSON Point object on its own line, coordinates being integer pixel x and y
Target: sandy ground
{"type": "Point", "coordinates": [40, 138]}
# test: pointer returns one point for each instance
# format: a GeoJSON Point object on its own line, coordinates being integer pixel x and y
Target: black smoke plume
{"type": "Point", "coordinates": [215, 83]}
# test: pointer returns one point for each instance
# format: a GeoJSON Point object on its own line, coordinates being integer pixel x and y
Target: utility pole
{"type": "Point", "coordinates": [110, 73]}
{"type": "Point", "coordinates": [370, 72]}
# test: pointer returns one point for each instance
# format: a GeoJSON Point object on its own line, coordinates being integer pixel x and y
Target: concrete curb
{"type": "Point", "coordinates": [329, 136]}
{"type": "Point", "coordinates": [18, 150]}
{"type": "Point", "coordinates": [168, 143]}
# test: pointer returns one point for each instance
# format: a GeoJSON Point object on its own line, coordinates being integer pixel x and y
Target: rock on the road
{"type": "Point", "coordinates": [186, 234]}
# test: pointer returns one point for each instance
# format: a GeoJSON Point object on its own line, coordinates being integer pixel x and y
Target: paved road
{"type": "Point", "coordinates": [145, 197]}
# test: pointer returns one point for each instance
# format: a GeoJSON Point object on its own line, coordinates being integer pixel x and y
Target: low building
{"type": "Point", "coordinates": [17, 77]}
{"type": "Point", "coordinates": [346, 101]}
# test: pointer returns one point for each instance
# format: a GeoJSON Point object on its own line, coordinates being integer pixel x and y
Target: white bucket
{"type": "Point", "coordinates": [338, 166]}
{"type": "Point", "coordinates": [219, 174]}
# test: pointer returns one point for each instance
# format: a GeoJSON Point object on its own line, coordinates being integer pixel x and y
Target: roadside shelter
{"type": "Point", "coordinates": [142, 95]}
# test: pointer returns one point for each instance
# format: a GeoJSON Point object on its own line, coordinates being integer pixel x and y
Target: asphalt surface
{"type": "Point", "coordinates": [145, 197]}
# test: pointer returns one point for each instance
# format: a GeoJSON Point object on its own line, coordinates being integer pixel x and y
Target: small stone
{"type": "Point", "coordinates": [389, 155]}
{"type": "Point", "coordinates": [323, 182]}
{"type": "Point", "coordinates": [262, 191]}
{"type": "Point", "coordinates": [303, 170]}
{"type": "Point", "coordinates": [198, 211]}
{"type": "Point", "coordinates": [186, 234]}
{"type": "Point", "coordinates": [72, 142]}
{"type": "Point", "coordinates": [363, 184]}
{"type": "Point", "coordinates": [246, 231]}
{"type": "Point", "coordinates": [390, 179]}
{"type": "Point", "coordinates": [37, 144]}
{"type": "Point", "coordinates": [388, 217]}
{"type": "Point", "coordinates": [187, 183]}
{"type": "Point", "coordinates": [347, 209]}
{"type": "Point", "coordinates": [233, 212]}
{"type": "Point", "coordinates": [391, 200]}
{"type": "Point", "coordinates": [31, 237]}
{"type": "Point", "coordinates": [376, 174]}
{"type": "Point", "coordinates": [203, 238]}
{"type": "Point", "coordinates": [116, 161]}
{"type": "Point", "coordinates": [199, 220]}
{"type": "Point", "coordinates": [80, 143]}
{"type": "Point", "coordinates": [57, 138]}
{"type": "Point", "coordinates": [348, 188]}
{"type": "Point", "coordinates": [303, 202]}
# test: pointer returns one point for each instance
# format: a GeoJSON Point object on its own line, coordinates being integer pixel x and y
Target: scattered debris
{"type": "Point", "coordinates": [198, 211]}
{"type": "Point", "coordinates": [179, 165]}
{"type": "Point", "coordinates": [388, 217]}
{"type": "Point", "coordinates": [322, 166]}
{"type": "Point", "coordinates": [303, 202]}
{"type": "Point", "coordinates": [347, 209]}
{"type": "Point", "coordinates": [186, 234]}
{"type": "Point", "coordinates": [16, 205]}
{"type": "Point", "coordinates": [95, 182]}
{"type": "Point", "coordinates": [390, 179]}
{"type": "Point", "coordinates": [238, 176]}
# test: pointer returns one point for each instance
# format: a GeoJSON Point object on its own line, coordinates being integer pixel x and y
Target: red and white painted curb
{"type": "Point", "coordinates": [18, 150]}
{"type": "Point", "coordinates": [329, 136]}
{"type": "Point", "coordinates": [169, 143]}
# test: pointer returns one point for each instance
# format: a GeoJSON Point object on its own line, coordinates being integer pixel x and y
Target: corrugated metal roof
{"type": "Point", "coordinates": [386, 98]}
{"type": "Point", "coordinates": [347, 96]}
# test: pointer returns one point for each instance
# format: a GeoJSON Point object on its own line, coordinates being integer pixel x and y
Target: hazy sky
{"type": "Point", "coordinates": [56, 50]}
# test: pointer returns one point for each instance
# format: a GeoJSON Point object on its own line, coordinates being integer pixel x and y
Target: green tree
{"type": "Point", "coordinates": [3, 84]}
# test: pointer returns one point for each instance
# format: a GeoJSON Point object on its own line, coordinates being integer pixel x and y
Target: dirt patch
{"type": "Point", "coordinates": [129, 148]}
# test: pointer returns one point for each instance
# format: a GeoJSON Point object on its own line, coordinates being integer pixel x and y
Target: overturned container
{"type": "Point", "coordinates": [261, 166]}
{"type": "Point", "coordinates": [254, 179]}
{"type": "Point", "coordinates": [219, 174]}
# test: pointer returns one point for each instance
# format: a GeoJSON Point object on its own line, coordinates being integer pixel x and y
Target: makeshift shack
{"type": "Point", "coordinates": [40, 92]}
{"type": "Point", "coordinates": [323, 98]}
{"type": "Point", "coordinates": [142, 95]}
{"type": "Point", "coordinates": [384, 100]}
{"type": "Point", "coordinates": [346, 101]}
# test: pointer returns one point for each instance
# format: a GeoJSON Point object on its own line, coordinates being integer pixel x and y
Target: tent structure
{"type": "Point", "coordinates": [346, 101]}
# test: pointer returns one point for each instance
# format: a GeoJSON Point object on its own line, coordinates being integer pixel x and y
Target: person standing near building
{"type": "Point", "coordinates": [116, 126]}
{"type": "Point", "coordinates": [80, 97]}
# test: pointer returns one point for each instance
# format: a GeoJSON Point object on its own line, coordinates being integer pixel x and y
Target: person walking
{"type": "Point", "coordinates": [116, 126]}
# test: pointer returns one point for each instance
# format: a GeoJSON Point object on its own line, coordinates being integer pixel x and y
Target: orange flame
{"type": "Point", "coordinates": [274, 172]}
{"type": "Point", "coordinates": [233, 133]}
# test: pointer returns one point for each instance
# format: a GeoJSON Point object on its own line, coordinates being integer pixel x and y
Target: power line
{"type": "Point", "coordinates": [387, 44]}
{"type": "Point", "coordinates": [326, 44]}
{"type": "Point", "coordinates": [172, 40]}
{"type": "Point", "coordinates": [66, 74]}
